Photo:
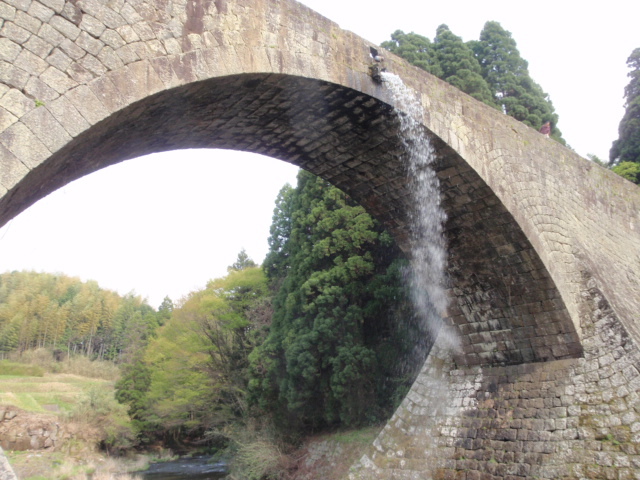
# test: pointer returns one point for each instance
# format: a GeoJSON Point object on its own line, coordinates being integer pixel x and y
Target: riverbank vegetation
{"type": "Point", "coordinates": [318, 338]}
{"type": "Point", "coordinates": [79, 412]}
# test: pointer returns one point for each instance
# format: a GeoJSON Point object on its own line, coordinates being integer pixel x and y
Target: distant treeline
{"type": "Point", "coordinates": [70, 316]}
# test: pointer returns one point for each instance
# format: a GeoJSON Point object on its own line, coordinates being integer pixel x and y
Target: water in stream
{"type": "Point", "coordinates": [191, 468]}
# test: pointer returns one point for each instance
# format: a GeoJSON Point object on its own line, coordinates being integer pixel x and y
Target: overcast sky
{"type": "Point", "coordinates": [169, 231]}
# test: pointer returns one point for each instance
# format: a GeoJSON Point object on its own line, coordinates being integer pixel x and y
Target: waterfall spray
{"type": "Point", "coordinates": [431, 397]}
{"type": "Point", "coordinates": [428, 254]}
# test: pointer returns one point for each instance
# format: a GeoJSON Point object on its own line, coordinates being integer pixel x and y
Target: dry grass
{"type": "Point", "coordinates": [12, 368]}
{"type": "Point", "coordinates": [56, 466]}
{"type": "Point", "coordinates": [86, 408]}
{"type": "Point", "coordinates": [327, 456]}
{"type": "Point", "coordinates": [38, 394]}
{"type": "Point", "coordinates": [261, 458]}
{"type": "Point", "coordinates": [75, 365]}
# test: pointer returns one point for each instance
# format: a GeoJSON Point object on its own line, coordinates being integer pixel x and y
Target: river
{"type": "Point", "coordinates": [191, 468]}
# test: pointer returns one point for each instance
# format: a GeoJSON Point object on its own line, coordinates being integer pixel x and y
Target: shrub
{"type": "Point", "coordinates": [256, 453]}
{"type": "Point", "coordinates": [99, 409]}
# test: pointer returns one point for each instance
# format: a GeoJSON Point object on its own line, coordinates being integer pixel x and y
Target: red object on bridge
{"type": "Point", "coordinates": [546, 129]}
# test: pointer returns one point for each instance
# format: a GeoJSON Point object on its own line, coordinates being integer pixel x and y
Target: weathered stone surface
{"type": "Point", "coordinates": [30, 63]}
{"type": "Point", "coordinates": [544, 247]}
{"type": "Point", "coordinates": [14, 32]}
{"type": "Point", "coordinates": [11, 169]}
{"type": "Point", "coordinates": [6, 119]}
{"type": "Point", "coordinates": [558, 419]}
{"type": "Point", "coordinates": [65, 27]}
{"type": "Point", "coordinates": [40, 11]}
{"type": "Point", "coordinates": [16, 103]}
{"type": "Point", "coordinates": [9, 50]}
{"type": "Point", "coordinates": [92, 25]}
{"type": "Point", "coordinates": [69, 116]}
{"type": "Point", "coordinates": [19, 140]}
{"type": "Point", "coordinates": [46, 128]}
{"type": "Point", "coordinates": [57, 80]}
{"type": "Point", "coordinates": [6, 472]}
{"type": "Point", "coordinates": [38, 46]}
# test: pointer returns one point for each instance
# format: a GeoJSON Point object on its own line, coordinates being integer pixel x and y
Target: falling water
{"type": "Point", "coordinates": [433, 401]}
{"type": "Point", "coordinates": [428, 255]}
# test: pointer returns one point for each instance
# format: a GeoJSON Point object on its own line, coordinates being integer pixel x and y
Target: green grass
{"type": "Point", "coordinates": [44, 394]}
{"type": "Point", "coordinates": [80, 402]}
{"type": "Point", "coordinates": [362, 436]}
{"type": "Point", "coordinates": [20, 369]}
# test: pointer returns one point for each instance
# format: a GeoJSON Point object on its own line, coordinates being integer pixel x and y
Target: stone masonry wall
{"type": "Point", "coordinates": [76, 72]}
{"type": "Point", "coordinates": [6, 472]}
{"type": "Point", "coordinates": [565, 419]}
{"type": "Point", "coordinates": [20, 430]}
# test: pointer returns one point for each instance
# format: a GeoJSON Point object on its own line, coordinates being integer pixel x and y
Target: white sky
{"type": "Point", "coordinates": [169, 231]}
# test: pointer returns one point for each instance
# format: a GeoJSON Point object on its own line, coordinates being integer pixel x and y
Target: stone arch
{"type": "Point", "coordinates": [85, 73]}
{"type": "Point", "coordinates": [505, 306]}
{"type": "Point", "coordinates": [544, 247]}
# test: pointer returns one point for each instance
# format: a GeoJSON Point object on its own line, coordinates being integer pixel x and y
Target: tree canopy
{"type": "Point", "coordinates": [414, 48]}
{"type": "Point", "coordinates": [628, 170]}
{"type": "Point", "coordinates": [332, 344]}
{"type": "Point", "coordinates": [61, 312]}
{"type": "Point", "coordinates": [193, 375]}
{"type": "Point", "coordinates": [489, 69]}
{"type": "Point", "coordinates": [627, 147]}
{"type": "Point", "coordinates": [507, 74]}
{"type": "Point", "coordinates": [459, 67]}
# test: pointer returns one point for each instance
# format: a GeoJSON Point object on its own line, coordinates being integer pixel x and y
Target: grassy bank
{"type": "Point", "coordinates": [327, 456]}
{"type": "Point", "coordinates": [330, 456]}
{"type": "Point", "coordinates": [79, 395]}
{"type": "Point", "coordinates": [86, 404]}
{"type": "Point", "coordinates": [41, 465]}
{"type": "Point", "coordinates": [58, 392]}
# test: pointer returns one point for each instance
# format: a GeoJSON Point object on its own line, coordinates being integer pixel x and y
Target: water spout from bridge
{"type": "Point", "coordinates": [428, 254]}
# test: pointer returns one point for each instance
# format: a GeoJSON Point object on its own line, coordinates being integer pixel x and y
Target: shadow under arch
{"type": "Point", "coordinates": [503, 300]}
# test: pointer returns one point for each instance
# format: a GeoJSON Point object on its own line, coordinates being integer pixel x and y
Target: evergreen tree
{"type": "Point", "coordinates": [131, 390]}
{"type": "Point", "coordinates": [165, 310]}
{"type": "Point", "coordinates": [627, 147]}
{"type": "Point", "coordinates": [507, 74]}
{"type": "Point", "coordinates": [243, 261]}
{"type": "Point", "coordinates": [323, 362]}
{"type": "Point", "coordinates": [415, 49]}
{"type": "Point", "coordinates": [459, 67]}
{"type": "Point", "coordinates": [276, 261]}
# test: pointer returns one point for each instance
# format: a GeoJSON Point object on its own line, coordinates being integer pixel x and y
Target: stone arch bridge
{"type": "Point", "coordinates": [544, 246]}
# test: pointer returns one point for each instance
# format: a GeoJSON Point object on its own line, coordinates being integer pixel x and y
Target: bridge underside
{"type": "Point", "coordinates": [504, 304]}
